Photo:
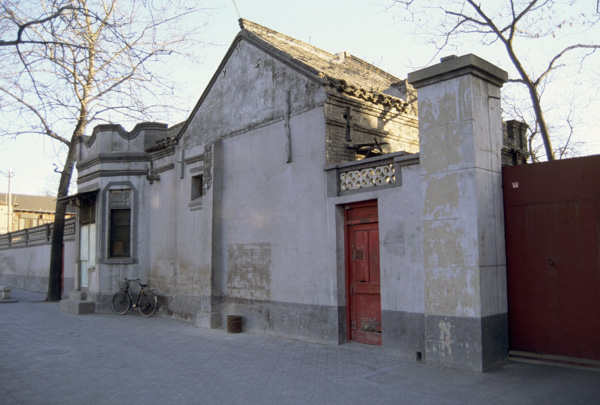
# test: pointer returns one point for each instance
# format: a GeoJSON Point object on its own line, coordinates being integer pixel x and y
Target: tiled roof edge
{"type": "Point", "coordinates": [281, 54]}
{"type": "Point", "coordinates": [382, 72]}
{"type": "Point", "coordinates": [373, 96]}
{"type": "Point", "coordinates": [253, 32]}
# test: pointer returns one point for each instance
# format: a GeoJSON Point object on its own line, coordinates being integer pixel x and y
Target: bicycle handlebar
{"type": "Point", "coordinates": [139, 280]}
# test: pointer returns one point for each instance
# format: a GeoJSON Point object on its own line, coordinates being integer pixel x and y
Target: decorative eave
{"type": "Point", "coordinates": [372, 96]}
{"type": "Point", "coordinates": [164, 143]}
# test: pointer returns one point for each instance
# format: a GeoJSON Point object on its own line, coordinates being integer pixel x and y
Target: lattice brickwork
{"type": "Point", "coordinates": [371, 177]}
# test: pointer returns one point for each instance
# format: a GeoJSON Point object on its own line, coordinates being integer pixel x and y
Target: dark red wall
{"type": "Point", "coordinates": [552, 216]}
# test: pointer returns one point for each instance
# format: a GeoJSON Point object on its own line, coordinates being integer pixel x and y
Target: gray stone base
{"type": "Point", "coordinates": [466, 343]}
{"type": "Point", "coordinates": [103, 302]}
{"type": "Point", "coordinates": [312, 323]}
{"type": "Point", "coordinates": [77, 304]}
{"type": "Point", "coordinates": [208, 320]}
{"type": "Point", "coordinates": [185, 307]}
{"type": "Point", "coordinates": [77, 307]}
{"type": "Point", "coordinates": [403, 333]}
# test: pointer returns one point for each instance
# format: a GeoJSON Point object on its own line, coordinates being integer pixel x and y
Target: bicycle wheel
{"type": "Point", "coordinates": [121, 302]}
{"type": "Point", "coordinates": [148, 304]}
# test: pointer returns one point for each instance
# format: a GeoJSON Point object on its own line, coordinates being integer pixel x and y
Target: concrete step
{"type": "Point", "coordinates": [77, 304]}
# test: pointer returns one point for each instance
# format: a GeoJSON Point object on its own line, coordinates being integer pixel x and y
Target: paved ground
{"type": "Point", "coordinates": [51, 357]}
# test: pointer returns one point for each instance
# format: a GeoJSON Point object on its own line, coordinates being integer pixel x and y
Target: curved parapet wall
{"type": "Point", "coordinates": [111, 138]}
{"type": "Point", "coordinates": [118, 128]}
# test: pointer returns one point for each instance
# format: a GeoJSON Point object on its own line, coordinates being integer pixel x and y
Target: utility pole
{"type": "Point", "coordinates": [8, 202]}
{"type": "Point", "coordinates": [9, 206]}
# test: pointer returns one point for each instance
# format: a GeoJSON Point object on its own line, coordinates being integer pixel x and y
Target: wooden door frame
{"type": "Point", "coordinates": [348, 251]}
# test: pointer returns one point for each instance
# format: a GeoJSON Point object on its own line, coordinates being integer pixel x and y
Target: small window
{"type": "Point", "coordinates": [87, 211]}
{"type": "Point", "coordinates": [120, 224]}
{"type": "Point", "coordinates": [197, 184]}
{"type": "Point", "coordinates": [120, 229]}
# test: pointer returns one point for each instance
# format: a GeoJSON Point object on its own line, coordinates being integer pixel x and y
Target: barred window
{"type": "Point", "coordinates": [120, 224]}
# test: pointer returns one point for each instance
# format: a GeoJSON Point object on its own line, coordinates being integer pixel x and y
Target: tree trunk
{"type": "Point", "coordinates": [541, 120]}
{"type": "Point", "coordinates": [56, 249]}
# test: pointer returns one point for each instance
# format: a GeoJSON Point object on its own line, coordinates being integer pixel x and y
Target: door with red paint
{"type": "Point", "coordinates": [363, 290]}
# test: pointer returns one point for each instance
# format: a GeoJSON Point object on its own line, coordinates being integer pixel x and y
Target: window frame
{"type": "Point", "coordinates": [119, 234]}
{"type": "Point", "coordinates": [197, 189]}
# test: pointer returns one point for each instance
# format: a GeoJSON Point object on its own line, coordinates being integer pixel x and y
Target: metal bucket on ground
{"type": "Point", "coordinates": [234, 324]}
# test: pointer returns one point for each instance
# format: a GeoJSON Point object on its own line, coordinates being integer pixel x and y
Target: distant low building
{"type": "Point", "coordinates": [26, 211]}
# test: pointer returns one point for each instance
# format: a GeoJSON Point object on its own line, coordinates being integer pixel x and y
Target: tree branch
{"type": "Point", "coordinates": [47, 129]}
{"type": "Point", "coordinates": [22, 27]}
{"type": "Point", "coordinates": [563, 53]}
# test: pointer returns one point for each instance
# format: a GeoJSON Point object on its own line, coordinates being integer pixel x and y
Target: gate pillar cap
{"type": "Point", "coordinates": [455, 66]}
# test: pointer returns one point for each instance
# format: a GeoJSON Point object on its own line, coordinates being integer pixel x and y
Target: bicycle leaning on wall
{"type": "Point", "coordinates": [145, 300]}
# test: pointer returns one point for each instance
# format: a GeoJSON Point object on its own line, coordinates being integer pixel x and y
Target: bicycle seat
{"type": "Point", "coordinates": [144, 285]}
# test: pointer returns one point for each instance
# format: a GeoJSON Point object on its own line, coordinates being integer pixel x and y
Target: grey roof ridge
{"type": "Point", "coordinates": [310, 72]}
{"type": "Point", "coordinates": [382, 72]}
{"type": "Point", "coordinates": [248, 27]}
{"type": "Point", "coordinates": [284, 57]}
{"type": "Point", "coordinates": [270, 49]}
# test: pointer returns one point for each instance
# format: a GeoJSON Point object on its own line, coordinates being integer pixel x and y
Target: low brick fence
{"type": "Point", "coordinates": [25, 257]}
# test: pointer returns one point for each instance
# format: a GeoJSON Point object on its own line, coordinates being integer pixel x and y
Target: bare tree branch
{"type": "Point", "coordinates": [551, 65]}
{"type": "Point", "coordinates": [60, 11]}
{"type": "Point", "coordinates": [80, 60]}
{"type": "Point", "coordinates": [47, 129]}
{"type": "Point", "coordinates": [511, 22]}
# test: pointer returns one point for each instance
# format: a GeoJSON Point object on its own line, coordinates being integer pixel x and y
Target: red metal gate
{"type": "Point", "coordinates": [552, 213]}
{"type": "Point", "coordinates": [362, 273]}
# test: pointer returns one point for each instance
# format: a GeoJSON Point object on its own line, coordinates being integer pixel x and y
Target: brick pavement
{"type": "Point", "coordinates": [51, 357]}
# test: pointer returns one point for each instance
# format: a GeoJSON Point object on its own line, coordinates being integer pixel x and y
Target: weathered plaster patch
{"type": "Point", "coordinates": [428, 112]}
{"type": "Point", "coordinates": [445, 342]}
{"type": "Point", "coordinates": [442, 244]}
{"type": "Point", "coordinates": [446, 148]}
{"type": "Point", "coordinates": [441, 196]}
{"type": "Point", "coordinates": [453, 292]}
{"type": "Point", "coordinates": [249, 270]}
{"type": "Point", "coordinates": [394, 240]}
{"type": "Point", "coordinates": [7, 264]}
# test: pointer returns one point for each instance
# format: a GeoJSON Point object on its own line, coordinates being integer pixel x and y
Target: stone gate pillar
{"type": "Point", "coordinates": [460, 129]}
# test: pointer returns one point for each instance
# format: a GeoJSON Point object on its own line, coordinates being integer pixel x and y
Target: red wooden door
{"type": "Point", "coordinates": [362, 274]}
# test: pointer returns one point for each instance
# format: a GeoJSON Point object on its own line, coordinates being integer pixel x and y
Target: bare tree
{"type": "Point", "coordinates": [515, 106]}
{"type": "Point", "coordinates": [516, 25]}
{"type": "Point", "coordinates": [66, 64]}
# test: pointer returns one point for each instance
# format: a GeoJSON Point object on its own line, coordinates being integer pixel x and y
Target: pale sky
{"type": "Point", "coordinates": [362, 27]}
